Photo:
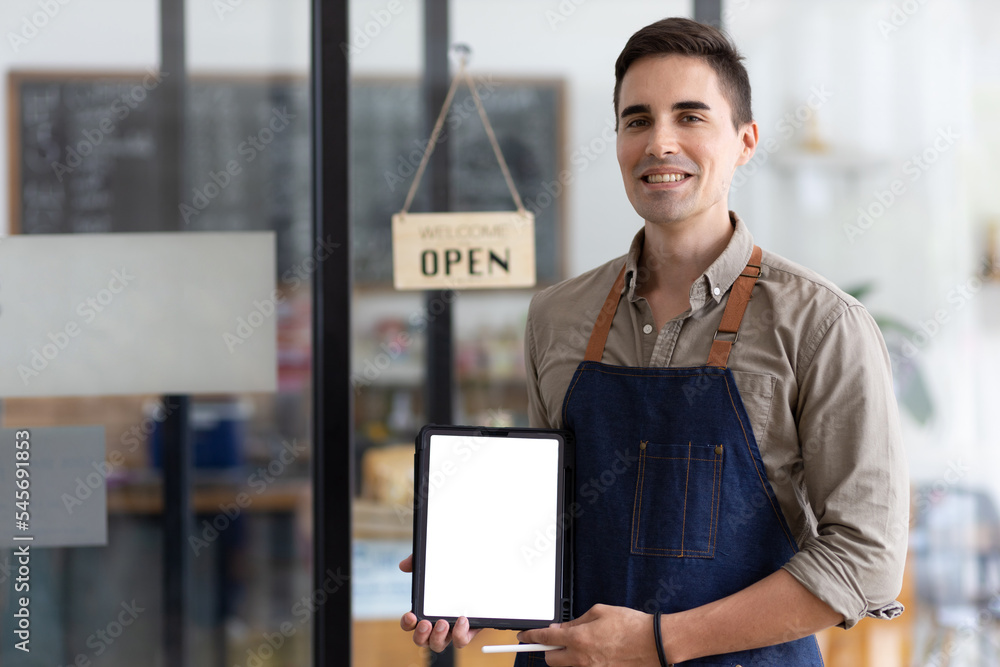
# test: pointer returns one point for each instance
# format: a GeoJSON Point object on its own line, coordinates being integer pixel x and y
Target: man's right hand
{"type": "Point", "coordinates": [439, 635]}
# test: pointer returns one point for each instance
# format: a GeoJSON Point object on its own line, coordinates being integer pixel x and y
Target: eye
{"type": "Point", "coordinates": [691, 117]}
{"type": "Point", "coordinates": [637, 122]}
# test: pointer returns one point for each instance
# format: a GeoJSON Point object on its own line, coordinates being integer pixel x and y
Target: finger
{"type": "Point", "coordinates": [422, 634]}
{"type": "Point", "coordinates": [524, 635]}
{"type": "Point", "coordinates": [463, 634]}
{"type": "Point", "coordinates": [439, 636]}
{"type": "Point", "coordinates": [558, 658]}
{"type": "Point", "coordinates": [549, 635]}
{"type": "Point", "coordinates": [409, 621]}
{"type": "Point", "coordinates": [406, 565]}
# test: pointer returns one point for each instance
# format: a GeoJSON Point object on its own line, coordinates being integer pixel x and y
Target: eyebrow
{"type": "Point", "coordinates": [691, 105]}
{"type": "Point", "coordinates": [686, 105]}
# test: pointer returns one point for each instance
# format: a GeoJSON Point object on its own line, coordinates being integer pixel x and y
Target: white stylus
{"type": "Point", "coordinates": [519, 648]}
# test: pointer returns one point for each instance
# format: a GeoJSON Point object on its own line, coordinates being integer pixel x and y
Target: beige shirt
{"type": "Point", "coordinates": [815, 379]}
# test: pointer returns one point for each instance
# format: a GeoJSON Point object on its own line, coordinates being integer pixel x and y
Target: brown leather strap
{"type": "Point", "coordinates": [739, 297]}
{"type": "Point", "coordinates": [732, 316]}
{"type": "Point", "coordinates": [599, 334]}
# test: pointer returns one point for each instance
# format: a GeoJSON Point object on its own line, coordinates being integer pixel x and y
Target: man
{"type": "Point", "coordinates": [766, 494]}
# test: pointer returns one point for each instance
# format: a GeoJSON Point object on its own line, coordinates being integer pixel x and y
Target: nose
{"type": "Point", "coordinates": [662, 140]}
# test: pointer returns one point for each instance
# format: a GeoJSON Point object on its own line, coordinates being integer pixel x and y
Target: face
{"type": "Point", "coordinates": [677, 147]}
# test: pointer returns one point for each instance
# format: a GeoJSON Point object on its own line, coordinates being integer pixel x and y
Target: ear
{"type": "Point", "coordinates": [748, 137]}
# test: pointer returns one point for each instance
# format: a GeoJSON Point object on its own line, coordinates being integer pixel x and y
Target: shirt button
{"type": "Point", "coordinates": [647, 329]}
{"type": "Point", "coordinates": [716, 291]}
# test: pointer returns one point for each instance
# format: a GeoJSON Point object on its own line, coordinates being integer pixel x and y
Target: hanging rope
{"type": "Point", "coordinates": [462, 75]}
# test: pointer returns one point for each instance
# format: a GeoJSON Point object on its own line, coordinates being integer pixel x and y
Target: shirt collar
{"type": "Point", "coordinates": [720, 275]}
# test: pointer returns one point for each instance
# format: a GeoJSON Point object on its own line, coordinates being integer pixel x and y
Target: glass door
{"type": "Point", "coordinates": [159, 171]}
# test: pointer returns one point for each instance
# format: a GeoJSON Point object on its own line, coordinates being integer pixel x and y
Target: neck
{"type": "Point", "coordinates": [676, 254]}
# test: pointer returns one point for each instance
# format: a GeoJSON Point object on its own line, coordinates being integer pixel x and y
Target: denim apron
{"type": "Point", "coordinates": [674, 506]}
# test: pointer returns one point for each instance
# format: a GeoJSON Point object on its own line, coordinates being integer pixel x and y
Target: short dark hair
{"type": "Point", "coordinates": [680, 36]}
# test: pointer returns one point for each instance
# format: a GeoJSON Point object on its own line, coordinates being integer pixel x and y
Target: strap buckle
{"type": "Point", "coordinates": [752, 266]}
{"type": "Point", "coordinates": [734, 334]}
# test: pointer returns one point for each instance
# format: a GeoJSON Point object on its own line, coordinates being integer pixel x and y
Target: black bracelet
{"type": "Point", "coordinates": [658, 638]}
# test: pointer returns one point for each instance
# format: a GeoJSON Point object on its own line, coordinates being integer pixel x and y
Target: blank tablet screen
{"type": "Point", "coordinates": [492, 508]}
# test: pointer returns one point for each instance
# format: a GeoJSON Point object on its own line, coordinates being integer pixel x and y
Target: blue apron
{"type": "Point", "coordinates": [675, 507]}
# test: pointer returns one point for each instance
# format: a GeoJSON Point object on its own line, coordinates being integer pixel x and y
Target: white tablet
{"type": "Point", "coordinates": [491, 533]}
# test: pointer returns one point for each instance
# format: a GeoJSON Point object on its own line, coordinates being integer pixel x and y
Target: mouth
{"type": "Point", "coordinates": [673, 177]}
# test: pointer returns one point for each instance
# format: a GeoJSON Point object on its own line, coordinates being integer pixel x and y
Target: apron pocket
{"type": "Point", "coordinates": [676, 508]}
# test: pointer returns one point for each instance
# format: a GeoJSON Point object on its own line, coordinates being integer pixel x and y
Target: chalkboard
{"type": "Point", "coordinates": [388, 135]}
{"type": "Point", "coordinates": [84, 158]}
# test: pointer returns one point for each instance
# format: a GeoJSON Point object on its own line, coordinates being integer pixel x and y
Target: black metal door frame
{"type": "Point", "coordinates": [333, 401]}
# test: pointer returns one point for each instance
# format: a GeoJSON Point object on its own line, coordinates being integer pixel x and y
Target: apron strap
{"type": "Point", "coordinates": [599, 334]}
{"type": "Point", "coordinates": [739, 297]}
{"type": "Point", "coordinates": [732, 316]}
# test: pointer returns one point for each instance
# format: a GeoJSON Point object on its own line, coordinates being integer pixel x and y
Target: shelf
{"type": "Point", "coordinates": [146, 497]}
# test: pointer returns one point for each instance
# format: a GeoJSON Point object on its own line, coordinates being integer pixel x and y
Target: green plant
{"type": "Point", "coordinates": [908, 378]}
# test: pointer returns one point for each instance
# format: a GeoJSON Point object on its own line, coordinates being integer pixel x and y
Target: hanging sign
{"type": "Point", "coordinates": [463, 250]}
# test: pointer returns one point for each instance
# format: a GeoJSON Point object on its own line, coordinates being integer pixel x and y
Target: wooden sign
{"type": "Point", "coordinates": [463, 250]}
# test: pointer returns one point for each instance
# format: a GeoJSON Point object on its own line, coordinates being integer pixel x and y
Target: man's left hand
{"type": "Point", "coordinates": [605, 636]}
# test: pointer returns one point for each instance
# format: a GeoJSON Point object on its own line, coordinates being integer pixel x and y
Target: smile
{"type": "Point", "coordinates": [664, 178]}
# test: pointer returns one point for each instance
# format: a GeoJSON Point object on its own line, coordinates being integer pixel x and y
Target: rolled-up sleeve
{"type": "Point", "coordinates": [854, 470]}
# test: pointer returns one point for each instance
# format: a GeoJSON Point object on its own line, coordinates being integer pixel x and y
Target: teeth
{"type": "Point", "coordinates": [664, 178]}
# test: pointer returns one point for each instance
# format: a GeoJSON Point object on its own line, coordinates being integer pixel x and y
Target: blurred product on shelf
{"type": "Point", "coordinates": [392, 352]}
{"type": "Point", "coordinates": [387, 475]}
{"type": "Point", "coordinates": [218, 429]}
{"type": "Point", "coordinates": [491, 356]}
{"type": "Point", "coordinates": [294, 340]}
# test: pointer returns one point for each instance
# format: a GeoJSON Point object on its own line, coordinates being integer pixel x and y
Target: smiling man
{"type": "Point", "coordinates": [768, 494]}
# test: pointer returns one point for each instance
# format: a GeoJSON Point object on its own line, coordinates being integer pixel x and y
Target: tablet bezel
{"type": "Point", "coordinates": [562, 593]}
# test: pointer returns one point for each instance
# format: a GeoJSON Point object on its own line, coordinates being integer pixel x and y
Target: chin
{"type": "Point", "coordinates": [658, 216]}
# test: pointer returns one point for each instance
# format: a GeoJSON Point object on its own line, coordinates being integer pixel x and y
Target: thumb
{"type": "Point", "coordinates": [406, 565]}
